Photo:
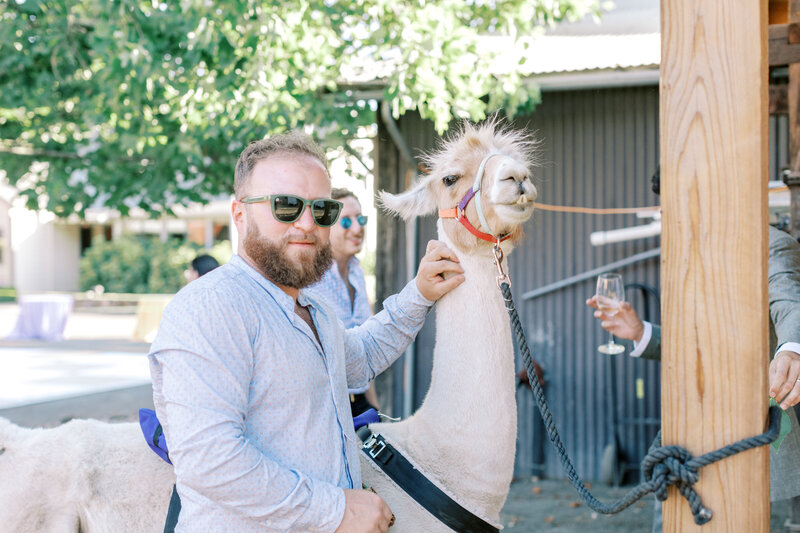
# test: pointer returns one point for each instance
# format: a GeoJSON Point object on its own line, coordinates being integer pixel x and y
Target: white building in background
{"type": "Point", "coordinates": [5, 243]}
{"type": "Point", "coordinates": [41, 252]}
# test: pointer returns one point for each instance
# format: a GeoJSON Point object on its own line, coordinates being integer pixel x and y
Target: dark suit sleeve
{"type": "Point", "coordinates": [653, 349]}
{"type": "Point", "coordinates": [784, 286]}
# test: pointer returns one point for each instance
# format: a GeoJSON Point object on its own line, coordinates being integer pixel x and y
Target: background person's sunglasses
{"type": "Point", "coordinates": [288, 208]}
{"type": "Point", "coordinates": [346, 222]}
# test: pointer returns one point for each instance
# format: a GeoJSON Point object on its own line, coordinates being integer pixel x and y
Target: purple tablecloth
{"type": "Point", "coordinates": [42, 316]}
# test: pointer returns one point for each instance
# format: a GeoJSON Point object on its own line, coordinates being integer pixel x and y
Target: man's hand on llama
{"type": "Point", "coordinates": [626, 324]}
{"type": "Point", "coordinates": [439, 271]}
{"type": "Point", "coordinates": [364, 512]}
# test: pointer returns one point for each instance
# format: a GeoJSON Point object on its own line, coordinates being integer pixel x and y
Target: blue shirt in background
{"type": "Point", "coordinates": [333, 290]}
{"type": "Point", "coordinates": [255, 410]}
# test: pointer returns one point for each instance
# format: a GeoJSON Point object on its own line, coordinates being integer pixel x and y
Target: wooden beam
{"type": "Point", "coordinates": [713, 92]}
{"type": "Point", "coordinates": [784, 44]}
{"type": "Point", "coordinates": [778, 11]}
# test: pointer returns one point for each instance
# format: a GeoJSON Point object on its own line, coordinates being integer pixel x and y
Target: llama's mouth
{"type": "Point", "coordinates": [515, 212]}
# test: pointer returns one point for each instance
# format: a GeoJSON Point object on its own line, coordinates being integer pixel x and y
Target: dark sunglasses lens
{"type": "Point", "coordinates": [325, 212]}
{"type": "Point", "coordinates": [346, 222]}
{"type": "Point", "coordinates": [362, 220]}
{"type": "Point", "coordinates": [287, 208]}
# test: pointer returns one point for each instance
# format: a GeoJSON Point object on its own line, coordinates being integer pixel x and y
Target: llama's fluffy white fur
{"type": "Point", "coordinates": [85, 476]}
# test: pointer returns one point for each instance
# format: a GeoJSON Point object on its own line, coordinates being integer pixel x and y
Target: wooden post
{"type": "Point", "coordinates": [714, 252]}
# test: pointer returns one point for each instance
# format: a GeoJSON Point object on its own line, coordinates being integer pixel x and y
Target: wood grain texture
{"type": "Point", "coordinates": [714, 252]}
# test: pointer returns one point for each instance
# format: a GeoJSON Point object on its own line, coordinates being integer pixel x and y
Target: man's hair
{"type": "Point", "coordinates": [203, 264]}
{"type": "Point", "coordinates": [337, 193]}
{"type": "Point", "coordinates": [290, 142]}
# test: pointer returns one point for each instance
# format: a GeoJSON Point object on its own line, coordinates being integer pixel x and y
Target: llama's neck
{"type": "Point", "coordinates": [471, 405]}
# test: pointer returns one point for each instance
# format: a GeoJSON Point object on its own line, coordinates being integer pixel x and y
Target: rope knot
{"type": "Point", "coordinates": [674, 465]}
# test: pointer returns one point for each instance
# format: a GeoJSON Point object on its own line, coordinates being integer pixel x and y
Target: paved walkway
{"type": "Point", "coordinates": [95, 372]}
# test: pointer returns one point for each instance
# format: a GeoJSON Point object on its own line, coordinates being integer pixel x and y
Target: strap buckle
{"type": "Point", "coordinates": [374, 446]}
{"type": "Point", "coordinates": [497, 254]}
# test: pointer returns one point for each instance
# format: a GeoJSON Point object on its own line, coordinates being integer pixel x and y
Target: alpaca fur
{"type": "Point", "coordinates": [85, 476]}
{"type": "Point", "coordinates": [463, 436]}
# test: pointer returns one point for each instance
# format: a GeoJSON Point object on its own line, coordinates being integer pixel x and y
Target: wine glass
{"type": "Point", "coordinates": [610, 294]}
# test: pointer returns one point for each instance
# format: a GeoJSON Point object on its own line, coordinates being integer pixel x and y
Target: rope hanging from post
{"type": "Point", "coordinates": [661, 467]}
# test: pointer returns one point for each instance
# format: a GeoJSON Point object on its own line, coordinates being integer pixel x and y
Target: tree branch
{"type": "Point", "coordinates": [350, 150]}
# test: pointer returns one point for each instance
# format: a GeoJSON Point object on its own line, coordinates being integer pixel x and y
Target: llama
{"type": "Point", "coordinates": [84, 476]}
{"type": "Point", "coordinates": [463, 436]}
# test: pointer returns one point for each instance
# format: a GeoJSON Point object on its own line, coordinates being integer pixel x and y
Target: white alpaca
{"type": "Point", "coordinates": [85, 476]}
{"type": "Point", "coordinates": [463, 436]}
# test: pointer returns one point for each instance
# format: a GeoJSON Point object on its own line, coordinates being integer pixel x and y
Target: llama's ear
{"type": "Point", "coordinates": [415, 202]}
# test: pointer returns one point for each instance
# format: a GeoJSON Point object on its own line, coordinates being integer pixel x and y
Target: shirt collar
{"type": "Point", "coordinates": [281, 298]}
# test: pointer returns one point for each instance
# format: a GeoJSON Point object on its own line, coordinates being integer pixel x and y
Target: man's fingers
{"type": "Point", "coordinates": [436, 268]}
{"type": "Point", "coordinates": [450, 283]}
{"type": "Point", "coordinates": [792, 398]}
{"type": "Point", "coordinates": [431, 245]}
{"type": "Point", "coordinates": [438, 250]}
{"type": "Point", "coordinates": [780, 385]}
{"type": "Point", "coordinates": [387, 513]}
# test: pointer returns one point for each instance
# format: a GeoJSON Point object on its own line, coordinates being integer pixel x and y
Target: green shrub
{"type": "Point", "coordinates": [8, 294]}
{"type": "Point", "coordinates": [368, 262]}
{"type": "Point", "coordinates": [136, 264]}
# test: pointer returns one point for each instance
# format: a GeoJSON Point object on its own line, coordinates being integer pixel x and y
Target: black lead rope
{"type": "Point", "coordinates": [661, 467]}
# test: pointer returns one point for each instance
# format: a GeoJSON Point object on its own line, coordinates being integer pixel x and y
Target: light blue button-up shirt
{"type": "Point", "coordinates": [334, 290]}
{"type": "Point", "coordinates": [255, 411]}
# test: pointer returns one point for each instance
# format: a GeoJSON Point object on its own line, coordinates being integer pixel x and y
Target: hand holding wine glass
{"type": "Point", "coordinates": [609, 295]}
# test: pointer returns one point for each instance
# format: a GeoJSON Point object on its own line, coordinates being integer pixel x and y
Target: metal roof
{"type": "Point", "coordinates": [576, 53]}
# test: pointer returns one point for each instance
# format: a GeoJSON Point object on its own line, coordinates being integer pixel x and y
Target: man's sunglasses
{"type": "Point", "coordinates": [288, 208]}
{"type": "Point", "coordinates": [346, 222]}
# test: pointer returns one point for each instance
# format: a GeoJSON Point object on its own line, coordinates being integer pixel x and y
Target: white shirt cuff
{"type": "Point", "coordinates": [789, 347]}
{"type": "Point", "coordinates": [639, 347]}
{"type": "Point", "coordinates": [359, 390]}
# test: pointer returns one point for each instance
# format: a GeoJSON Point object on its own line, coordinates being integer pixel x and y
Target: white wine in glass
{"type": "Point", "coordinates": [610, 294]}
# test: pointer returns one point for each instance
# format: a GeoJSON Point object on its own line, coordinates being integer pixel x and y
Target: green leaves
{"type": "Point", "coordinates": [786, 426]}
{"type": "Point", "coordinates": [147, 96]}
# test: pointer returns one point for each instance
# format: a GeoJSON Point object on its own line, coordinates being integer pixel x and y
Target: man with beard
{"type": "Point", "coordinates": [251, 372]}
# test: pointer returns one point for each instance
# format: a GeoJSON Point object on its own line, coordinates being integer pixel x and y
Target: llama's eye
{"type": "Point", "coordinates": [450, 180]}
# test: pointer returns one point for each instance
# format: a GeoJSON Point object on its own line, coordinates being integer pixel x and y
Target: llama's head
{"type": "Point", "coordinates": [507, 192]}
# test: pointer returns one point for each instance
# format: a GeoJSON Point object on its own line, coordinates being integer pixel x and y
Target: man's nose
{"type": "Point", "coordinates": [306, 220]}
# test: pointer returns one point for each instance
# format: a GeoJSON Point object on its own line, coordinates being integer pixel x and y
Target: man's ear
{"type": "Point", "coordinates": [239, 216]}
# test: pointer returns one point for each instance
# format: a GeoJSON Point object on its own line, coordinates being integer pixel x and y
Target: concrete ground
{"type": "Point", "coordinates": [96, 372]}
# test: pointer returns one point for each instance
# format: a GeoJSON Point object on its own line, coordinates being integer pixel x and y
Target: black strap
{"type": "Point", "coordinates": [157, 435]}
{"type": "Point", "coordinates": [419, 487]}
{"type": "Point", "coordinates": [173, 512]}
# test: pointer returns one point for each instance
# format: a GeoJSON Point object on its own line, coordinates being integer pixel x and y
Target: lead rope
{"type": "Point", "coordinates": [661, 467]}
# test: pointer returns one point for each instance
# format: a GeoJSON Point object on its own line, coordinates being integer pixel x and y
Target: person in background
{"type": "Point", "coordinates": [783, 276]}
{"type": "Point", "coordinates": [201, 265]}
{"type": "Point", "coordinates": [343, 285]}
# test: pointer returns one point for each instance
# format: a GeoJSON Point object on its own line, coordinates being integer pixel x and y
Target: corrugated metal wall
{"type": "Point", "coordinates": [599, 149]}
